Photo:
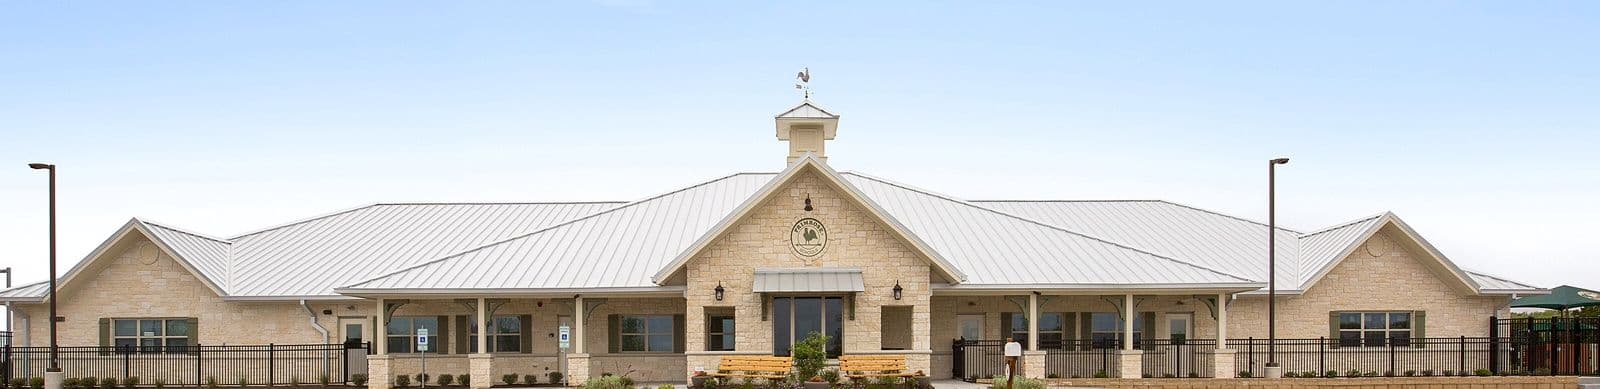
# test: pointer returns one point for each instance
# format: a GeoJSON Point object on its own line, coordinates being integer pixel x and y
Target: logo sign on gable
{"type": "Point", "coordinates": [808, 237]}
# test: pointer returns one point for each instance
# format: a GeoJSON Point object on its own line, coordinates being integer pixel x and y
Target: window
{"type": "Point", "coordinates": [720, 332]}
{"type": "Point", "coordinates": [650, 334]}
{"type": "Point", "coordinates": [150, 335]}
{"type": "Point", "coordinates": [1374, 329]}
{"type": "Point", "coordinates": [1052, 329]}
{"type": "Point", "coordinates": [794, 318]}
{"type": "Point", "coordinates": [505, 335]}
{"type": "Point", "coordinates": [1106, 329]}
{"type": "Point", "coordinates": [402, 333]}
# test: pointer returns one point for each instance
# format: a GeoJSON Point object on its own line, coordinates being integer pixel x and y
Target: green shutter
{"type": "Point", "coordinates": [444, 336]}
{"type": "Point", "coordinates": [527, 333]}
{"type": "Point", "coordinates": [1149, 330]}
{"type": "Point", "coordinates": [1005, 325]}
{"type": "Point", "coordinates": [464, 338]}
{"type": "Point", "coordinates": [678, 323]}
{"type": "Point", "coordinates": [105, 335]}
{"type": "Point", "coordinates": [1419, 325]}
{"type": "Point", "coordinates": [614, 333]}
{"type": "Point", "coordinates": [194, 332]}
{"type": "Point", "coordinates": [1333, 329]}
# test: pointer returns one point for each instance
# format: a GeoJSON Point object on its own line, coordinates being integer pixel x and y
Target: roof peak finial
{"type": "Point", "coordinates": [803, 82]}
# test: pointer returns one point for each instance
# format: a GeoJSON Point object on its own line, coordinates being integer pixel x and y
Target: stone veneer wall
{"type": "Point", "coordinates": [856, 239]}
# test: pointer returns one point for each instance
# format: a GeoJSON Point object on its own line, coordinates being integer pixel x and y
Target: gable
{"type": "Point", "coordinates": [817, 176]}
{"type": "Point", "coordinates": [1390, 239]}
{"type": "Point", "coordinates": [132, 258]}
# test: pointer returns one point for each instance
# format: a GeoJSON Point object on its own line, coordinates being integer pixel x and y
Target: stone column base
{"type": "Point", "coordinates": [577, 369]}
{"type": "Point", "coordinates": [1274, 371]}
{"type": "Point", "coordinates": [378, 372]}
{"type": "Point", "coordinates": [481, 368]}
{"type": "Point", "coordinates": [1130, 363]}
{"type": "Point", "coordinates": [1222, 363]}
{"type": "Point", "coordinates": [1033, 364]}
{"type": "Point", "coordinates": [54, 379]}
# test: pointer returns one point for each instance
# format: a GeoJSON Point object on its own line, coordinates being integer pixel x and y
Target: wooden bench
{"type": "Point", "coordinates": [772, 368]}
{"type": "Point", "coordinates": [857, 367]}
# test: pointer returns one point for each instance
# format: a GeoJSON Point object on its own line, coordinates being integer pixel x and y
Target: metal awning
{"type": "Point", "coordinates": [804, 280]}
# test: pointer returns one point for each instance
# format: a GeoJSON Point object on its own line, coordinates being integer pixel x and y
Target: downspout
{"type": "Point", "coordinates": [314, 323]}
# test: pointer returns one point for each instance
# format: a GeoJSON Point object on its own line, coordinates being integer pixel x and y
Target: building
{"type": "Point", "coordinates": [749, 263]}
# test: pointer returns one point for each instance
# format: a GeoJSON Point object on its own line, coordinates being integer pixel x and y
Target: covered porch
{"type": "Point", "coordinates": [1083, 334]}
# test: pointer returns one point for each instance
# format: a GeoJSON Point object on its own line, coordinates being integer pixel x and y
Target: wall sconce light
{"type": "Point", "coordinates": [808, 202]}
{"type": "Point", "coordinates": [898, 290]}
{"type": "Point", "coordinates": [719, 290]}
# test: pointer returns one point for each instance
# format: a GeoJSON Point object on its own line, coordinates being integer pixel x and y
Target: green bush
{"type": "Point", "coordinates": [831, 376]}
{"type": "Point", "coordinates": [131, 382]}
{"type": "Point", "coordinates": [1449, 373]}
{"type": "Point", "coordinates": [555, 377]}
{"type": "Point", "coordinates": [108, 383]}
{"type": "Point", "coordinates": [1021, 383]}
{"type": "Point", "coordinates": [323, 379]}
{"type": "Point", "coordinates": [811, 354]}
{"type": "Point", "coordinates": [710, 384]}
{"type": "Point", "coordinates": [509, 379]}
{"type": "Point", "coordinates": [161, 383]}
{"type": "Point", "coordinates": [1330, 374]}
{"type": "Point", "coordinates": [294, 381]}
{"type": "Point", "coordinates": [1102, 374]}
{"type": "Point", "coordinates": [1052, 375]}
{"type": "Point", "coordinates": [1482, 372]}
{"type": "Point", "coordinates": [465, 379]}
{"type": "Point", "coordinates": [446, 379]}
{"type": "Point", "coordinates": [1352, 373]}
{"type": "Point", "coordinates": [1427, 372]}
{"type": "Point", "coordinates": [36, 382]}
{"type": "Point", "coordinates": [423, 378]}
{"type": "Point", "coordinates": [1410, 373]}
{"type": "Point", "coordinates": [358, 379]}
{"type": "Point", "coordinates": [243, 382]}
{"type": "Point", "coordinates": [19, 383]}
{"type": "Point", "coordinates": [402, 380]}
{"type": "Point", "coordinates": [211, 382]}
{"type": "Point", "coordinates": [1242, 374]}
{"type": "Point", "coordinates": [1370, 374]}
{"type": "Point", "coordinates": [605, 382]}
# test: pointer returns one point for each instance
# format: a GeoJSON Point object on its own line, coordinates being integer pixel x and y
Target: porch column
{"type": "Point", "coordinates": [1130, 362]}
{"type": "Point", "coordinates": [578, 360]}
{"type": "Point", "coordinates": [1033, 321]}
{"type": "Point", "coordinates": [577, 324]}
{"type": "Point", "coordinates": [480, 365]}
{"type": "Point", "coordinates": [378, 369]}
{"type": "Point", "coordinates": [1222, 357]}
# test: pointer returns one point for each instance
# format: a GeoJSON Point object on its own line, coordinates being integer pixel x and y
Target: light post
{"type": "Point", "coordinates": [1273, 370]}
{"type": "Point", "coordinates": [52, 375]}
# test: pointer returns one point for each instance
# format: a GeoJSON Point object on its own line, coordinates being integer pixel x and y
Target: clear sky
{"type": "Point", "coordinates": [1476, 122]}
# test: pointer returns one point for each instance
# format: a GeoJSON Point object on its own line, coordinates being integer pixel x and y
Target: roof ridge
{"type": "Point", "coordinates": [501, 202]}
{"type": "Point", "coordinates": [531, 233]}
{"type": "Point", "coordinates": [1342, 225]}
{"type": "Point", "coordinates": [1225, 215]}
{"type": "Point", "coordinates": [306, 220]}
{"type": "Point", "coordinates": [1170, 202]}
{"type": "Point", "coordinates": [1046, 225]}
{"type": "Point", "coordinates": [183, 231]}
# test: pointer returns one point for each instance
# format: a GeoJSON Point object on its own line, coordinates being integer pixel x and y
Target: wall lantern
{"type": "Point", "coordinates": [808, 202]}
{"type": "Point", "coordinates": [719, 290]}
{"type": "Point", "coordinates": [898, 290]}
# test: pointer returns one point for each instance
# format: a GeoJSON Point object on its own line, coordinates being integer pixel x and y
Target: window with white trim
{"type": "Point", "coordinates": [646, 334]}
{"type": "Point", "coordinates": [505, 335]}
{"type": "Point", "coordinates": [402, 333]}
{"type": "Point", "coordinates": [150, 335]}
{"type": "Point", "coordinates": [1375, 329]}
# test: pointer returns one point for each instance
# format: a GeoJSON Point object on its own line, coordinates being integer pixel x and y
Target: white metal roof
{"type": "Point", "coordinates": [1491, 283]}
{"type": "Point", "coordinates": [208, 255]}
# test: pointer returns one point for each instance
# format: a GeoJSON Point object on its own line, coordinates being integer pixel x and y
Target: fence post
{"type": "Point", "coordinates": [126, 358]}
{"type": "Point", "coordinates": [271, 363]}
{"type": "Point", "coordinates": [1322, 351]}
{"type": "Point", "coordinates": [1463, 352]}
{"type": "Point", "coordinates": [1250, 349]}
{"type": "Point", "coordinates": [1391, 357]}
{"type": "Point", "coordinates": [1494, 343]}
{"type": "Point", "coordinates": [199, 367]}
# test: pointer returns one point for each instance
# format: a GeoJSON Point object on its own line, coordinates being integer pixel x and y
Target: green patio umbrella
{"type": "Point", "coordinates": [1560, 298]}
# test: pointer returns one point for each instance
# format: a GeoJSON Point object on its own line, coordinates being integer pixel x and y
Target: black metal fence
{"type": "Point", "coordinates": [1080, 358]}
{"type": "Point", "coordinates": [271, 364]}
{"type": "Point", "coordinates": [1175, 358]}
{"type": "Point", "coordinates": [1556, 346]}
{"type": "Point", "coordinates": [1416, 356]}
{"type": "Point", "coordinates": [972, 359]}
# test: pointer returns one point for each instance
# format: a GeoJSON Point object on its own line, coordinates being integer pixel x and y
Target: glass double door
{"type": "Point", "coordinates": [795, 318]}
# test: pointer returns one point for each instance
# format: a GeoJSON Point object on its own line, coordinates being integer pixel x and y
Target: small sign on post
{"type": "Point", "coordinates": [422, 348]}
{"type": "Point", "coordinates": [564, 337]}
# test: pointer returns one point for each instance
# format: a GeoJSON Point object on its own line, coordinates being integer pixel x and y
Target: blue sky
{"type": "Point", "coordinates": [1475, 121]}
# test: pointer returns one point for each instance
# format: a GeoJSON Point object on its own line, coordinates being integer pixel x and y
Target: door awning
{"type": "Point", "coordinates": [807, 280]}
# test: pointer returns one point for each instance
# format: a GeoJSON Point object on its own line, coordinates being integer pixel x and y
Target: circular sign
{"type": "Point", "coordinates": [808, 237]}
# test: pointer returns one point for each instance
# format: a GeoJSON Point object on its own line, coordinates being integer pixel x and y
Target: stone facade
{"type": "Point", "coordinates": [856, 239]}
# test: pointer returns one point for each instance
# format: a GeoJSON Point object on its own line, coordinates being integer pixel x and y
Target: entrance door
{"type": "Point", "coordinates": [355, 332]}
{"type": "Point", "coordinates": [1179, 327]}
{"type": "Point", "coordinates": [974, 360]}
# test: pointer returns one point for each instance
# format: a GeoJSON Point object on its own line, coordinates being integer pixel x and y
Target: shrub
{"type": "Point", "coordinates": [531, 379]}
{"type": "Point", "coordinates": [1482, 372]}
{"type": "Point", "coordinates": [422, 378]}
{"type": "Point", "coordinates": [294, 381]}
{"type": "Point", "coordinates": [1410, 373]}
{"type": "Point", "coordinates": [555, 377]}
{"type": "Point", "coordinates": [1052, 375]}
{"type": "Point", "coordinates": [1330, 374]}
{"type": "Point", "coordinates": [402, 380]}
{"type": "Point", "coordinates": [130, 382]}
{"type": "Point", "coordinates": [36, 382]}
{"type": "Point", "coordinates": [243, 382]}
{"type": "Point", "coordinates": [509, 379]}
{"type": "Point", "coordinates": [1101, 374]}
{"type": "Point", "coordinates": [1541, 371]}
{"type": "Point", "coordinates": [1352, 373]}
{"type": "Point", "coordinates": [211, 382]}
{"type": "Point", "coordinates": [1427, 372]}
{"type": "Point", "coordinates": [323, 379]}
{"type": "Point", "coordinates": [1242, 374]}
{"type": "Point", "coordinates": [446, 379]}
{"type": "Point", "coordinates": [1194, 375]}
{"type": "Point", "coordinates": [1449, 373]}
{"type": "Point", "coordinates": [108, 383]}
{"type": "Point", "coordinates": [1388, 373]}
{"type": "Point", "coordinates": [1021, 383]}
{"type": "Point", "coordinates": [711, 384]}
{"type": "Point", "coordinates": [605, 382]}
{"type": "Point", "coordinates": [1169, 375]}
{"type": "Point", "coordinates": [1370, 374]}
{"type": "Point", "coordinates": [811, 354]}
{"type": "Point", "coordinates": [358, 379]}
{"type": "Point", "coordinates": [87, 382]}
{"type": "Point", "coordinates": [465, 379]}
{"type": "Point", "coordinates": [19, 383]}
{"type": "Point", "coordinates": [161, 383]}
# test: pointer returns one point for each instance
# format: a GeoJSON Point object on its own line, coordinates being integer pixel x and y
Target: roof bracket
{"type": "Point", "coordinates": [389, 306]}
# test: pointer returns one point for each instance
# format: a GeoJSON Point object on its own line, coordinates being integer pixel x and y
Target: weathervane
{"type": "Point", "coordinates": [803, 82]}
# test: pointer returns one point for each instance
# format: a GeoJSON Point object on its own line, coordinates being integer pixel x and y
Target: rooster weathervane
{"type": "Point", "coordinates": [803, 82]}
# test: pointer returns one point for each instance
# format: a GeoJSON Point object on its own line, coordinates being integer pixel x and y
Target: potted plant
{"type": "Point", "coordinates": [698, 380]}
{"type": "Point", "coordinates": [922, 379]}
{"type": "Point", "coordinates": [816, 382]}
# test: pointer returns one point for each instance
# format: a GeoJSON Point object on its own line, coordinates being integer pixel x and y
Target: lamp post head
{"type": "Point", "coordinates": [41, 166]}
{"type": "Point", "coordinates": [1279, 161]}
